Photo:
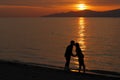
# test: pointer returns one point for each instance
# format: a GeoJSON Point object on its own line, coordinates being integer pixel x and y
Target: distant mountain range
{"type": "Point", "coordinates": [87, 13]}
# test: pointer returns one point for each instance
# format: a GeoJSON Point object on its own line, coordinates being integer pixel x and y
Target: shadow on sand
{"type": "Point", "coordinates": [107, 73]}
{"type": "Point", "coordinates": [14, 70]}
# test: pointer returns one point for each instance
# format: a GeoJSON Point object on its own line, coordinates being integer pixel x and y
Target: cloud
{"type": "Point", "coordinates": [50, 3]}
{"type": "Point", "coordinates": [103, 2]}
{"type": "Point", "coordinates": [33, 2]}
{"type": "Point", "coordinates": [22, 11]}
{"type": "Point", "coordinates": [41, 7]}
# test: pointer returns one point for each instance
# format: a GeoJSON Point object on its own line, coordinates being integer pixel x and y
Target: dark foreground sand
{"type": "Point", "coordinates": [21, 71]}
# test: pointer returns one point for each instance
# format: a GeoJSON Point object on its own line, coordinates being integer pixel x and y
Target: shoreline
{"type": "Point", "coordinates": [14, 70]}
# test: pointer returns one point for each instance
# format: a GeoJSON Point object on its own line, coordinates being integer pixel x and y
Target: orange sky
{"type": "Point", "coordinates": [42, 7]}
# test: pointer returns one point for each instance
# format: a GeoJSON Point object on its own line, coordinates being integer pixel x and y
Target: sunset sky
{"type": "Point", "coordinates": [43, 7]}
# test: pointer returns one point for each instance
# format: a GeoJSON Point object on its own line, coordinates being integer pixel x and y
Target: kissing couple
{"type": "Point", "coordinates": [69, 53]}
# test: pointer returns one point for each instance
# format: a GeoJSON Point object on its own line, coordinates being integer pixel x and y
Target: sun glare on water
{"type": "Point", "coordinates": [81, 6]}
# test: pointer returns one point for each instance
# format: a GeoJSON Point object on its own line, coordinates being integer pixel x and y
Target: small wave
{"type": "Point", "coordinates": [32, 49]}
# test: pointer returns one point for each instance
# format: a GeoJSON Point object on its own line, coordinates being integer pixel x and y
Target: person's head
{"type": "Point", "coordinates": [72, 42]}
{"type": "Point", "coordinates": [77, 45]}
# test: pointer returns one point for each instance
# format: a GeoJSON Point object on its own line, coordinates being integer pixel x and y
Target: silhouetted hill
{"type": "Point", "coordinates": [87, 13]}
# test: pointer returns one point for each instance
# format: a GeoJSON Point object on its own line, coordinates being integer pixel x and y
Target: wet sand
{"type": "Point", "coordinates": [23, 71]}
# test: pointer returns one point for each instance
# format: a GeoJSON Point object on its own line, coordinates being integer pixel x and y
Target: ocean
{"type": "Point", "coordinates": [44, 40]}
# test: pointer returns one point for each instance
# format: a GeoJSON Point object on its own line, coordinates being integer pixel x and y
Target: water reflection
{"type": "Point", "coordinates": [80, 39]}
{"type": "Point", "coordinates": [81, 33]}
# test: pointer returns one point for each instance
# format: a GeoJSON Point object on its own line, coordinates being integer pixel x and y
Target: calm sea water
{"type": "Point", "coordinates": [44, 40]}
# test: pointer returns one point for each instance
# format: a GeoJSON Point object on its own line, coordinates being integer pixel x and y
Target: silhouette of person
{"type": "Point", "coordinates": [80, 57]}
{"type": "Point", "coordinates": [68, 54]}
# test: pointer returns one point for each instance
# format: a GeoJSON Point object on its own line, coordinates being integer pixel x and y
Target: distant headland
{"type": "Point", "coordinates": [87, 13]}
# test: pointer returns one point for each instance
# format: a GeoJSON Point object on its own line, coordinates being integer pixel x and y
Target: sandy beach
{"type": "Point", "coordinates": [23, 71]}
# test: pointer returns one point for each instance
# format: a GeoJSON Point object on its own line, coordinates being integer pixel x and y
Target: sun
{"type": "Point", "coordinates": [81, 6]}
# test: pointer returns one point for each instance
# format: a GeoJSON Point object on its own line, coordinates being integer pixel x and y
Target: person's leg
{"type": "Point", "coordinates": [67, 63]}
{"type": "Point", "coordinates": [83, 66]}
{"type": "Point", "coordinates": [79, 66]}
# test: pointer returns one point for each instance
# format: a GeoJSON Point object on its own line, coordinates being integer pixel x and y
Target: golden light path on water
{"type": "Point", "coordinates": [80, 40]}
{"type": "Point", "coordinates": [81, 33]}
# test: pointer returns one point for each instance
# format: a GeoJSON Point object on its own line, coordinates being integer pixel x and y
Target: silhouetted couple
{"type": "Point", "coordinates": [79, 54]}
